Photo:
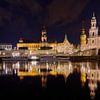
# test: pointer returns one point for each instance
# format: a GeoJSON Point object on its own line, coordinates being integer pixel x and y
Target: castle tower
{"type": "Point", "coordinates": [93, 33]}
{"type": "Point", "coordinates": [83, 37]}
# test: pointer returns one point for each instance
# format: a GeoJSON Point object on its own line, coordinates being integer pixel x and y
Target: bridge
{"type": "Point", "coordinates": [92, 53]}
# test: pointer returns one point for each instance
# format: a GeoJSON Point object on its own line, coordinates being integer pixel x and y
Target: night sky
{"type": "Point", "coordinates": [25, 19]}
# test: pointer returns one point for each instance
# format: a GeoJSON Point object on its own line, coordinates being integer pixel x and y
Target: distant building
{"type": "Point", "coordinates": [5, 46]}
{"type": "Point", "coordinates": [35, 45]}
{"type": "Point", "coordinates": [83, 38]}
{"type": "Point", "coordinates": [93, 41]}
{"type": "Point", "coordinates": [63, 47]}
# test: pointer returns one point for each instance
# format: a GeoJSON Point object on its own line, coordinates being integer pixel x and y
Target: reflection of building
{"type": "Point", "coordinates": [93, 77]}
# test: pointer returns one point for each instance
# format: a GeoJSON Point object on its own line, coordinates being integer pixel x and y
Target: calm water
{"type": "Point", "coordinates": [54, 80]}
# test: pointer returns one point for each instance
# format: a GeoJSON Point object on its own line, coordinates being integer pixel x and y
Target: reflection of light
{"type": "Point", "coordinates": [88, 70]}
{"type": "Point", "coordinates": [93, 87]}
{"type": "Point", "coordinates": [47, 66]}
{"type": "Point", "coordinates": [13, 66]}
{"type": "Point", "coordinates": [6, 70]}
{"type": "Point", "coordinates": [34, 63]}
{"type": "Point", "coordinates": [83, 78]}
{"type": "Point", "coordinates": [44, 80]}
{"type": "Point", "coordinates": [82, 68]}
{"type": "Point", "coordinates": [26, 67]}
{"type": "Point", "coordinates": [3, 53]}
{"type": "Point", "coordinates": [30, 68]}
{"type": "Point", "coordinates": [17, 65]}
{"type": "Point", "coordinates": [21, 77]}
{"type": "Point", "coordinates": [15, 71]}
{"type": "Point", "coordinates": [30, 52]}
{"type": "Point", "coordinates": [4, 66]}
{"type": "Point", "coordinates": [58, 68]}
{"type": "Point", "coordinates": [47, 52]}
{"type": "Point", "coordinates": [70, 66]}
{"type": "Point", "coordinates": [39, 70]}
{"type": "Point", "coordinates": [34, 57]}
{"type": "Point", "coordinates": [54, 62]}
{"type": "Point", "coordinates": [15, 54]}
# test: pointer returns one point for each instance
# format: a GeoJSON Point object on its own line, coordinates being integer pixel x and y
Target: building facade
{"type": "Point", "coordinates": [64, 47]}
{"type": "Point", "coordinates": [5, 46]}
{"type": "Point", "coordinates": [93, 41]}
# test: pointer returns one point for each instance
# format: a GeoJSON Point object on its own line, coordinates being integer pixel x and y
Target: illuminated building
{"type": "Point", "coordinates": [5, 46]}
{"type": "Point", "coordinates": [30, 45]}
{"type": "Point", "coordinates": [93, 41]}
{"type": "Point", "coordinates": [83, 38]}
{"type": "Point", "coordinates": [64, 47]}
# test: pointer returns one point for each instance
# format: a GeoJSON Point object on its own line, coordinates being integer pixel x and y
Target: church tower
{"type": "Point", "coordinates": [93, 33]}
{"type": "Point", "coordinates": [83, 37]}
{"type": "Point", "coordinates": [44, 35]}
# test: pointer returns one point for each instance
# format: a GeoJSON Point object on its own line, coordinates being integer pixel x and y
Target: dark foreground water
{"type": "Point", "coordinates": [56, 88]}
{"type": "Point", "coordinates": [63, 85]}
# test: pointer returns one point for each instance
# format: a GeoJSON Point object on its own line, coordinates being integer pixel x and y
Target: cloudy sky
{"type": "Point", "coordinates": [25, 18]}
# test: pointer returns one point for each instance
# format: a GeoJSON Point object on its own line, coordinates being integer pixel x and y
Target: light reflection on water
{"type": "Point", "coordinates": [89, 71]}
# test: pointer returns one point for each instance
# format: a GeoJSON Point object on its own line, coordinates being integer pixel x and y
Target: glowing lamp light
{"type": "Point", "coordinates": [34, 57]}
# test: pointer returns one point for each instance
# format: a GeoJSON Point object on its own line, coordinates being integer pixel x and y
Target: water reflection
{"type": "Point", "coordinates": [89, 71]}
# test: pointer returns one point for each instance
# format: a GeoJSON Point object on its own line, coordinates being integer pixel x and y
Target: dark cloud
{"type": "Point", "coordinates": [65, 11]}
{"type": "Point", "coordinates": [28, 16]}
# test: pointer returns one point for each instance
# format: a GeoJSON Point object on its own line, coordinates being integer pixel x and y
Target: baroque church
{"type": "Point", "coordinates": [93, 41]}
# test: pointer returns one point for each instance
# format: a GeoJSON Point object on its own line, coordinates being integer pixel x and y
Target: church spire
{"type": "Point", "coordinates": [83, 28]}
{"type": "Point", "coordinates": [93, 14]}
{"type": "Point", "coordinates": [65, 39]}
{"type": "Point", "coordinates": [93, 32]}
{"type": "Point", "coordinates": [93, 17]}
{"type": "Point", "coordinates": [44, 35]}
{"type": "Point", "coordinates": [93, 20]}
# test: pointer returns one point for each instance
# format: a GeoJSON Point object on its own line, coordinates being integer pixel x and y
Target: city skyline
{"type": "Point", "coordinates": [26, 19]}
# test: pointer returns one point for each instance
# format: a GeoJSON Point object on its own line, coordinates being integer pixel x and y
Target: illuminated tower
{"type": "Point", "coordinates": [83, 37]}
{"type": "Point", "coordinates": [93, 33]}
{"type": "Point", "coordinates": [43, 35]}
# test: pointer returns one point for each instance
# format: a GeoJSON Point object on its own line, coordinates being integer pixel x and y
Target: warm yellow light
{"type": "Point", "coordinates": [21, 77]}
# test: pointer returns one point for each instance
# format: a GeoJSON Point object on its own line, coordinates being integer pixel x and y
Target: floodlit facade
{"type": "Point", "coordinates": [5, 46]}
{"type": "Point", "coordinates": [63, 47]}
{"type": "Point", "coordinates": [93, 41]}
